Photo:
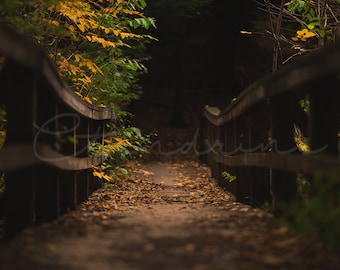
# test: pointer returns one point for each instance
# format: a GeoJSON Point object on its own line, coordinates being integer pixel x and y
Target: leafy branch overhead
{"type": "Point", "coordinates": [99, 46]}
{"type": "Point", "coordinates": [299, 26]}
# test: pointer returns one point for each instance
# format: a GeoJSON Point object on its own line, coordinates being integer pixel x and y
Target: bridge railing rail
{"type": "Point", "coordinates": [45, 158]}
{"type": "Point", "coordinates": [261, 138]}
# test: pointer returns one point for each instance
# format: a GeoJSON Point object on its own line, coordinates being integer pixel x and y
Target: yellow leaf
{"type": "Point", "coordinates": [299, 33]}
{"type": "Point", "coordinates": [94, 38]}
{"type": "Point", "coordinates": [74, 69]}
{"type": "Point", "coordinates": [124, 35]}
{"type": "Point", "coordinates": [82, 63]}
{"type": "Point", "coordinates": [71, 28]}
{"type": "Point", "coordinates": [309, 34]}
{"type": "Point", "coordinates": [107, 31]}
{"type": "Point", "coordinates": [87, 99]}
{"type": "Point", "coordinates": [123, 142]}
{"type": "Point", "coordinates": [84, 80]}
{"type": "Point", "coordinates": [98, 174]}
{"type": "Point", "coordinates": [77, 57]}
{"type": "Point", "coordinates": [91, 66]}
{"type": "Point", "coordinates": [107, 177]}
{"type": "Point", "coordinates": [81, 27]}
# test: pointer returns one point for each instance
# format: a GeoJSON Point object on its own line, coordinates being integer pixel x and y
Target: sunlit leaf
{"type": "Point", "coordinates": [88, 100]}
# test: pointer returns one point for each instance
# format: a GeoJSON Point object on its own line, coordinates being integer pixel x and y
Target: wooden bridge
{"type": "Point", "coordinates": [47, 174]}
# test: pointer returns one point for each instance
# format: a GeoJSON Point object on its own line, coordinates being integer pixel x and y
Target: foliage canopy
{"type": "Point", "coordinates": [99, 47]}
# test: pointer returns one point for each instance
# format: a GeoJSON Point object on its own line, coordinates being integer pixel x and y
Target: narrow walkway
{"type": "Point", "coordinates": [167, 215]}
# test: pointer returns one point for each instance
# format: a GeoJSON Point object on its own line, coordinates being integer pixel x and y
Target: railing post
{"type": "Point", "coordinates": [81, 150]}
{"type": "Point", "coordinates": [82, 185]}
{"type": "Point", "coordinates": [96, 131]}
{"type": "Point", "coordinates": [259, 124]}
{"type": "Point", "coordinates": [48, 126]}
{"type": "Point", "coordinates": [212, 138]}
{"type": "Point", "coordinates": [324, 119]}
{"type": "Point", "coordinates": [19, 201]}
{"type": "Point", "coordinates": [67, 193]}
{"type": "Point", "coordinates": [200, 147]}
{"type": "Point", "coordinates": [284, 185]}
{"type": "Point", "coordinates": [227, 138]}
{"type": "Point", "coordinates": [66, 140]}
{"type": "Point", "coordinates": [244, 175]}
{"type": "Point", "coordinates": [19, 196]}
{"type": "Point", "coordinates": [47, 193]}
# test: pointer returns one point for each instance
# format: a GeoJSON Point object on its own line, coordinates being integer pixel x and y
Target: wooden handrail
{"type": "Point", "coordinates": [19, 156]}
{"type": "Point", "coordinates": [253, 138]}
{"type": "Point", "coordinates": [24, 52]}
{"type": "Point", "coordinates": [46, 172]}
{"type": "Point", "coordinates": [294, 77]}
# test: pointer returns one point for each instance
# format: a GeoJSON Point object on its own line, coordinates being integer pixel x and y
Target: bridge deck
{"type": "Point", "coordinates": [169, 215]}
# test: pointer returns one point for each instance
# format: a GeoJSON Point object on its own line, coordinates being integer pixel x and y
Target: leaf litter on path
{"type": "Point", "coordinates": [166, 215]}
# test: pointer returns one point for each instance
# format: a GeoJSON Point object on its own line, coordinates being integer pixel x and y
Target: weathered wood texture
{"type": "Point", "coordinates": [254, 137]}
{"type": "Point", "coordinates": [45, 157]}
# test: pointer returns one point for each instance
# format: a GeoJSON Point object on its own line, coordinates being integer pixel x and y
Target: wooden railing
{"type": "Point", "coordinates": [254, 139]}
{"type": "Point", "coordinates": [45, 157]}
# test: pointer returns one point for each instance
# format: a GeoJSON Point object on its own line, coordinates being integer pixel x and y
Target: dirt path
{"type": "Point", "coordinates": [168, 215]}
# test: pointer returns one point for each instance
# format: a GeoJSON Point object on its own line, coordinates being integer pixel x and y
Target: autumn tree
{"type": "Point", "coordinates": [99, 47]}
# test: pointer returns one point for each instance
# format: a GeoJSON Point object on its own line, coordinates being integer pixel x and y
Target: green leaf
{"type": "Point", "coordinates": [124, 171]}
{"type": "Point", "coordinates": [311, 26]}
{"type": "Point", "coordinates": [228, 177]}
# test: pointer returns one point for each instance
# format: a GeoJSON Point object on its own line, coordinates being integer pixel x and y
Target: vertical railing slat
{"type": "Point", "coordinates": [19, 205]}
{"type": "Point", "coordinates": [284, 184]}
{"type": "Point", "coordinates": [244, 178]}
{"type": "Point", "coordinates": [324, 120]}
